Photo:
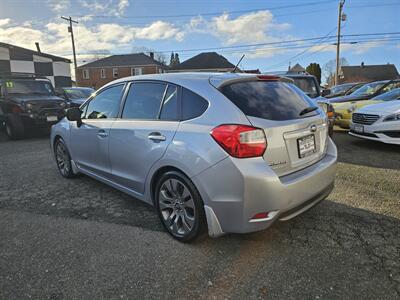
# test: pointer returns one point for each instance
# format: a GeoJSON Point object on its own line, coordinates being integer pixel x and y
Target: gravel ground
{"type": "Point", "coordinates": [62, 239]}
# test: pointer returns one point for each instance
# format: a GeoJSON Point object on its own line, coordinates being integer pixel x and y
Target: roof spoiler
{"type": "Point", "coordinates": [258, 77]}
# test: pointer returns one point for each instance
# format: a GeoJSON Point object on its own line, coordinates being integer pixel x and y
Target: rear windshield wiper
{"type": "Point", "coordinates": [308, 110]}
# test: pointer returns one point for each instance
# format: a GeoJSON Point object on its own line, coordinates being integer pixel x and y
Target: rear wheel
{"type": "Point", "coordinates": [63, 159]}
{"type": "Point", "coordinates": [14, 127]}
{"type": "Point", "coordinates": [179, 206]}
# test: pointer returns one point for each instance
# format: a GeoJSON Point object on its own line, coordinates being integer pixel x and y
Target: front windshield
{"type": "Point", "coordinates": [21, 86]}
{"type": "Point", "coordinates": [340, 88]}
{"type": "Point", "coordinates": [78, 93]}
{"type": "Point", "coordinates": [388, 96]}
{"type": "Point", "coordinates": [307, 85]}
{"type": "Point", "coordinates": [369, 88]}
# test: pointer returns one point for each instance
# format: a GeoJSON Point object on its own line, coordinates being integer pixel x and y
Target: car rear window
{"type": "Point", "coordinates": [272, 100]}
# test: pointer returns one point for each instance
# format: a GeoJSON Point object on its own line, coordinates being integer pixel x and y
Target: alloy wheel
{"type": "Point", "coordinates": [177, 207]}
{"type": "Point", "coordinates": [62, 159]}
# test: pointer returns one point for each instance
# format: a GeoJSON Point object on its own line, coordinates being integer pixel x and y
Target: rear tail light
{"type": "Point", "coordinates": [240, 141]}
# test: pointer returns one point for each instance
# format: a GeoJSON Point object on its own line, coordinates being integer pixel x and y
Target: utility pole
{"type": "Point", "coordinates": [70, 30]}
{"type": "Point", "coordinates": [341, 17]}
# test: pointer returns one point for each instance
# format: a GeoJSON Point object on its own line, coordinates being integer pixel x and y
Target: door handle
{"type": "Point", "coordinates": [156, 136]}
{"type": "Point", "coordinates": [102, 133]}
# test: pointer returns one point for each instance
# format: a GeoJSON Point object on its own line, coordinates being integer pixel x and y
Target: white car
{"type": "Point", "coordinates": [378, 122]}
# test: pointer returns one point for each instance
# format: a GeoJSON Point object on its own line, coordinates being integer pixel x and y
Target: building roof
{"type": "Point", "coordinates": [371, 72]}
{"type": "Point", "coordinates": [28, 53]}
{"type": "Point", "coordinates": [297, 68]}
{"type": "Point", "coordinates": [206, 60]}
{"type": "Point", "coordinates": [134, 59]}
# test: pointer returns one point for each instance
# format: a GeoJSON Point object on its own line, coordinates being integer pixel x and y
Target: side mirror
{"type": "Point", "coordinates": [74, 114]}
{"type": "Point", "coordinates": [325, 92]}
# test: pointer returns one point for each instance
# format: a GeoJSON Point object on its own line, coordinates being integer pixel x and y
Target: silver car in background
{"type": "Point", "coordinates": [227, 152]}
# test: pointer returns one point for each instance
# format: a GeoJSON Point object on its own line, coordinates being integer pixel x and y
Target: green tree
{"type": "Point", "coordinates": [314, 69]}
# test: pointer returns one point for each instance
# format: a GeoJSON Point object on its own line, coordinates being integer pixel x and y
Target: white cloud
{"type": "Point", "coordinates": [122, 6]}
{"type": "Point", "coordinates": [55, 39]}
{"type": "Point", "coordinates": [111, 7]}
{"type": "Point", "coordinates": [254, 27]}
{"type": "Point", "coordinates": [4, 22]}
{"type": "Point", "coordinates": [58, 5]}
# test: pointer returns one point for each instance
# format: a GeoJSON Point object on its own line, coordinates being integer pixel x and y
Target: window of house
{"type": "Point", "coordinates": [103, 73]}
{"type": "Point", "coordinates": [143, 101]}
{"type": "Point", "coordinates": [136, 71]}
{"type": "Point", "coordinates": [115, 72]}
{"type": "Point", "coordinates": [105, 104]}
{"type": "Point", "coordinates": [85, 74]}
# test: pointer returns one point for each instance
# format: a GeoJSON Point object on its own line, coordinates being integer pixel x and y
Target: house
{"type": "Point", "coordinates": [22, 60]}
{"type": "Point", "coordinates": [205, 62]}
{"type": "Point", "coordinates": [97, 73]}
{"type": "Point", "coordinates": [367, 73]}
{"type": "Point", "coordinates": [297, 68]}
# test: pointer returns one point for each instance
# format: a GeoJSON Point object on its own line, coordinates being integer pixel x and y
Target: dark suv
{"type": "Point", "coordinates": [27, 100]}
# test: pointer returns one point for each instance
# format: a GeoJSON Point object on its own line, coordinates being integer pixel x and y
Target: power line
{"type": "Point", "coordinates": [214, 13]}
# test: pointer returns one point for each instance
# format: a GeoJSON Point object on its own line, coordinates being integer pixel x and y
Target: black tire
{"type": "Point", "coordinates": [198, 215]}
{"type": "Point", "coordinates": [63, 159]}
{"type": "Point", "coordinates": [14, 127]}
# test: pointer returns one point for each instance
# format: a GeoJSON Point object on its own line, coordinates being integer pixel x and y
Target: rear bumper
{"type": "Point", "coordinates": [237, 189]}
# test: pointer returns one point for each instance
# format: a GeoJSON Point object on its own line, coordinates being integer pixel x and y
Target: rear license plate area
{"type": "Point", "coordinates": [306, 145]}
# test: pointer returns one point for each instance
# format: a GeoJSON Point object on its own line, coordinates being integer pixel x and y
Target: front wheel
{"type": "Point", "coordinates": [179, 206]}
{"type": "Point", "coordinates": [63, 159]}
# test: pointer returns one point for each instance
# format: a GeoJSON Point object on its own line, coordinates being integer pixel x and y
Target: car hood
{"type": "Point", "coordinates": [24, 98]}
{"type": "Point", "coordinates": [389, 107]}
{"type": "Point", "coordinates": [354, 105]}
{"type": "Point", "coordinates": [349, 98]}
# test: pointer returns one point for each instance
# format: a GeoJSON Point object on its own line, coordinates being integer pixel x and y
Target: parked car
{"type": "Point", "coordinates": [344, 89]}
{"type": "Point", "coordinates": [75, 96]}
{"type": "Point", "coordinates": [309, 85]}
{"type": "Point", "coordinates": [344, 111]}
{"type": "Point", "coordinates": [27, 100]}
{"type": "Point", "coordinates": [368, 91]}
{"type": "Point", "coordinates": [228, 152]}
{"type": "Point", "coordinates": [378, 122]}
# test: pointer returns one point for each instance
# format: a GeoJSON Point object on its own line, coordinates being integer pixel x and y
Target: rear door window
{"type": "Point", "coordinates": [169, 110]}
{"type": "Point", "coordinates": [144, 101]}
{"type": "Point", "coordinates": [272, 100]}
{"type": "Point", "coordinates": [193, 105]}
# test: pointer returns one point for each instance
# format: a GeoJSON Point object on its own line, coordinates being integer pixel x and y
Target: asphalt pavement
{"type": "Point", "coordinates": [80, 239]}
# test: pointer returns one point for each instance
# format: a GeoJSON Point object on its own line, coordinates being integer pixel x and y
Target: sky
{"type": "Point", "coordinates": [271, 33]}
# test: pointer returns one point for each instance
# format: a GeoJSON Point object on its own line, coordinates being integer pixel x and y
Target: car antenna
{"type": "Point", "coordinates": [236, 67]}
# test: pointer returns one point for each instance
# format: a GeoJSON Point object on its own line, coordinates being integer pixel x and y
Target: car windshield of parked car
{"type": "Point", "coordinates": [78, 93]}
{"type": "Point", "coordinates": [38, 87]}
{"type": "Point", "coordinates": [388, 96]}
{"type": "Point", "coordinates": [272, 100]}
{"type": "Point", "coordinates": [307, 85]}
{"type": "Point", "coordinates": [369, 88]}
{"type": "Point", "coordinates": [340, 88]}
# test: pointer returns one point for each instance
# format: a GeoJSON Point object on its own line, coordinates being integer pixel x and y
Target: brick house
{"type": "Point", "coordinates": [97, 73]}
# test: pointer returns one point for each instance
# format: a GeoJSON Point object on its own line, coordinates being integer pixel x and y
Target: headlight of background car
{"type": "Point", "coordinates": [395, 117]}
{"type": "Point", "coordinates": [29, 106]}
{"type": "Point", "coordinates": [63, 105]}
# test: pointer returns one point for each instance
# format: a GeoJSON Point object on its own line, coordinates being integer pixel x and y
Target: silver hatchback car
{"type": "Point", "coordinates": [227, 152]}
